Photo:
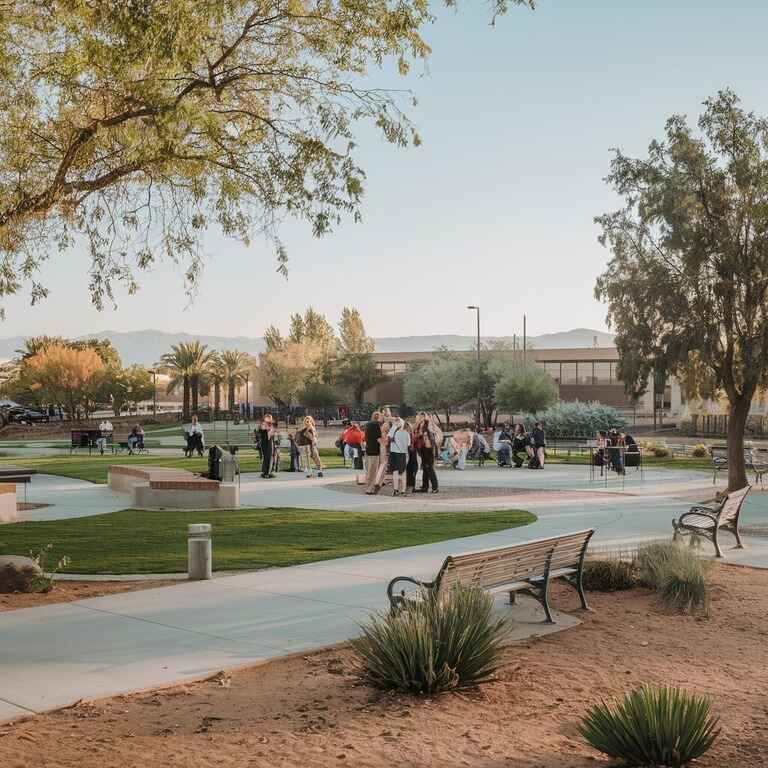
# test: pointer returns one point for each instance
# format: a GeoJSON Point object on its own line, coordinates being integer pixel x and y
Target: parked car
{"type": "Point", "coordinates": [18, 414]}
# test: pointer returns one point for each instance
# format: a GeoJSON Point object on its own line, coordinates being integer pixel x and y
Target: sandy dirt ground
{"type": "Point", "coordinates": [66, 591]}
{"type": "Point", "coordinates": [310, 711]}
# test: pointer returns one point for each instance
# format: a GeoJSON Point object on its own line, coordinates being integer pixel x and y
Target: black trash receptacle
{"type": "Point", "coordinates": [214, 463]}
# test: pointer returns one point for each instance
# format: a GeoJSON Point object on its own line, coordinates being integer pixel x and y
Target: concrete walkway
{"type": "Point", "coordinates": [54, 655]}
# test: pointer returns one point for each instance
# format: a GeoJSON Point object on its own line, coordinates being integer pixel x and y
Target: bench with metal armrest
{"type": "Point", "coordinates": [526, 567]}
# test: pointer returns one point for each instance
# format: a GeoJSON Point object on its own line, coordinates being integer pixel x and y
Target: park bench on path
{"type": "Point", "coordinates": [525, 567]}
{"type": "Point", "coordinates": [752, 462]}
{"type": "Point", "coordinates": [706, 521]}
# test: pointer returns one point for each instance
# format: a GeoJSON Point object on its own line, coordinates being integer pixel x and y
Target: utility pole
{"type": "Point", "coordinates": [525, 337]}
{"type": "Point", "coordinates": [479, 374]}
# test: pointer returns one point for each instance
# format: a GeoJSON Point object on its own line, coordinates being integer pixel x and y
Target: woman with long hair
{"type": "Point", "coordinates": [266, 441]}
{"type": "Point", "coordinates": [427, 444]}
{"type": "Point", "coordinates": [386, 426]}
{"type": "Point", "coordinates": [306, 439]}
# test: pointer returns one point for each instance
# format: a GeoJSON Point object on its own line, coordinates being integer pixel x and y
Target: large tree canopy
{"type": "Point", "coordinates": [687, 282]}
{"type": "Point", "coordinates": [136, 124]}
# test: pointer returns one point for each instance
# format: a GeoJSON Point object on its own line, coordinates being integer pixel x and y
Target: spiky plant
{"type": "Point", "coordinates": [609, 575]}
{"type": "Point", "coordinates": [652, 726]}
{"type": "Point", "coordinates": [677, 574]}
{"type": "Point", "coordinates": [433, 644]}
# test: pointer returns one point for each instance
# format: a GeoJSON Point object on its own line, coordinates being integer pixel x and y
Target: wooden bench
{"type": "Point", "coordinates": [526, 567]}
{"type": "Point", "coordinates": [706, 521]}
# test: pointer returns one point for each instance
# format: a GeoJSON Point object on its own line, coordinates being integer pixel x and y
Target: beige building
{"type": "Point", "coordinates": [585, 374]}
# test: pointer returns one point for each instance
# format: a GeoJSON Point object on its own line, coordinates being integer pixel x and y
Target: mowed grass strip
{"type": "Point", "coordinates": [134, 541]}
{"type": "Point", "coordinates": [93, 468]}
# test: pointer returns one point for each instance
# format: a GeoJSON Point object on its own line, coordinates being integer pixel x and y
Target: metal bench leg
{"type": "Point", "coordinates": [513, 598]}
{"type": "Point", "coordinates": [739, 543]}
{"type": "Point", "coordinates": [718, 551]}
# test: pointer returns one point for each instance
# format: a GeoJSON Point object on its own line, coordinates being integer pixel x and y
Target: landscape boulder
{"type": "Point", "coordinates": [17, 573]}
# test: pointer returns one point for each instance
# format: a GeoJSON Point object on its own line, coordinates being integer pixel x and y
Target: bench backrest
{"type": "Point", "coordinates": [719, 456]}
{"type": "Point", "coordinates": [492, 568]}
{"type": "Point", "coordinates": [732, 505]}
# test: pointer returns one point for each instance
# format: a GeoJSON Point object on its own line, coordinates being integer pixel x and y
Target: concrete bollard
{"type": "Point", "coordinates": [199, 551]}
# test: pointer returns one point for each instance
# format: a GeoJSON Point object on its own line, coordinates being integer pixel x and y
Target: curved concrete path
{"type": "Point", "coordinates": [54, 655]}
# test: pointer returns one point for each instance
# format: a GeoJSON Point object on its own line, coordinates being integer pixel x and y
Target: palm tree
{"type": "Point", "coordinates": [187, 364]}
{"type": "Point", "coordinates": [217, 375]}
{"type": "Point", "coordinates": [236, 366]}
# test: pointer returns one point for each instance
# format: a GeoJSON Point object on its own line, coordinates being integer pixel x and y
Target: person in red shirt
{"type": "Point", "coordinates": [352, 437]}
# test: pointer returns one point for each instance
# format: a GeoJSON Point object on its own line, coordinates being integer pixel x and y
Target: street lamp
{"type": "Point", "coordinates": [479, 376]}
{"type": "Point", "coordinates": [154, 392]}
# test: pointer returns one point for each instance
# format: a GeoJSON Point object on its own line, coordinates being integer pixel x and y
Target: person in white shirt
{"type": "Point", "coordinates": [399, 442]}
{"type": "Point", "coordinates": [194, 435]}
{"type": "Point", "coordinates": [105, 431]}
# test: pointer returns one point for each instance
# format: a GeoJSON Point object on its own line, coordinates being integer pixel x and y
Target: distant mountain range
{"type": "Point", "coordinates": [146, 347]}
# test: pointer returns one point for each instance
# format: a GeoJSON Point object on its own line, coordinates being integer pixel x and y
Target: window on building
{"type": "Point", "coordinates": [602, 373]}
{"type": "Point", "coordinates": [568, 373]}
{"type": "Point", "coordinates": [584, 373]}
{"type": "Point", "coordinates": [553, 369]}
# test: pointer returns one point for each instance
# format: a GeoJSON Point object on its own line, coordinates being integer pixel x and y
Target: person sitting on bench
{"type": "Point", "coordinates": [502, 444]}
{"type": "Point", "coordinates": [520, 445]}
{"type": "Point", "coordinates": [136, 439]}
{"type": "Point", "coordinates": [106, 430]}
{"type": "Point", "coordinates": [195, 438]}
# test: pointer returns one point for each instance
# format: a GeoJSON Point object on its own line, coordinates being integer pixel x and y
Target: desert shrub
{"type": "Point", "coordinates": [700, 451]}
{"type": "Point", "coordinates": [15, 579]}
{"type": "Point", "coordinates": [660, 451]}
{"type": "Point", "coordinates": [652, 726]}
{"type": "Point", "coordinates": [583, 419]}
{"type": "Point", "coordinates": [609, 575]}
{"type": "Point", "coordinates": [432, 644]}
{"type": "Point", "coordinates": [677, 574]}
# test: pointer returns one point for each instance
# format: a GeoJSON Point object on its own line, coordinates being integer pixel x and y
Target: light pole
{"type": "Point", "coordinates": [479, 376]}
{"type": "Point", "coordinates": [154, 392]}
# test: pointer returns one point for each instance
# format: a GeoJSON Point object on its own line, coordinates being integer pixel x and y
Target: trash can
{"type": "Point", "coordinates": [214, 462]}
{"type": "Point", "coordinates": [227, 467]}
{"type": "Point", "coordinates": [199, 551]}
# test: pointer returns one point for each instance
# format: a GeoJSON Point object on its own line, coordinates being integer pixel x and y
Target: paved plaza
{"type": "Point", "coordinates": [54, 655]}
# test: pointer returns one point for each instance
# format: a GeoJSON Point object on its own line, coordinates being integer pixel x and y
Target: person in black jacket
{"type": "Point", "coordinates": [266, 440]}
{"type": "Point", "coordinates": [538, 443]}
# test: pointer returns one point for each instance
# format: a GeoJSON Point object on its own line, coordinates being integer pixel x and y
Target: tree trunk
{"type": "Point", "coordinates": [737, 422]}
{"type": "Point", "coordinates": [216, 397]}
{"type": "Point", "coordinates": [185, 406]}
{"type": "Point", "coordinates": [447, 420]}
{"type": "Point", "coordinates": [194, 385]}
{"type": "Point", "coordinates": [231, 395]}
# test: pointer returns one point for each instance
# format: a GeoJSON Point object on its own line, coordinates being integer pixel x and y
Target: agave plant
{"type": "Point", "coordinates": [652, 726]}
{"type": "Point", "coordinates": [433, 644]}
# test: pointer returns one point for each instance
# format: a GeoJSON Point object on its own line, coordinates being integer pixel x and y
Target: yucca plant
{"type": "Point", "coordinates": [432, 644]}
{"type": "Point", "coordinates": [654, 560]}
{"type": "Point", "coordinates": [652, 726]}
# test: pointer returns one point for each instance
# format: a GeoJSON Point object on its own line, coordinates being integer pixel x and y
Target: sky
{"type": "Point", "coordinates": [496, 207]}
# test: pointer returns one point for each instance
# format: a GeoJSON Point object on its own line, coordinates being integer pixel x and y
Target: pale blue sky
{"type": "Point", "coordinates": [496, 207]}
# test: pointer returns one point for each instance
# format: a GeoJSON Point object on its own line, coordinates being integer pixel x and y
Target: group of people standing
{"type": "Point", "coordinates": [303, 447]}
{"type": "Point", "coordinates": [393, 445]}
{"type": "Point", "coordinates": [515, 446]}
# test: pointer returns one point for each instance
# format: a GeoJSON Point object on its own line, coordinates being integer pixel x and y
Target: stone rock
{"type": "Point", "coordinates": [17, 573]}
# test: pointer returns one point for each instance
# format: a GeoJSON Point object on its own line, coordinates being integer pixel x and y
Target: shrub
{"type": "Point", "coordinates": [577, 419]}
{"type": "Point", "coordinates": [700, 451]}
{"type": "Point", "coordinates": [660, 451]}
{"type": "Point", "coordinates": [677, 574]}
{"type": "Point", "coordinates": [652, 726]}
{"type": "Point", "coordinates": [14, 579]}
{"type": "Point", "coordinates": [432, 644]}
{"type": "Point", "coordinates": [611, 575]}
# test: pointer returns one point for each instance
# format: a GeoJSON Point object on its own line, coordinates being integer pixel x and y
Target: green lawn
{"type": "Point", "coordinates": [94, 467]}
{"type": "Point", "coordinates": [133, 541]}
